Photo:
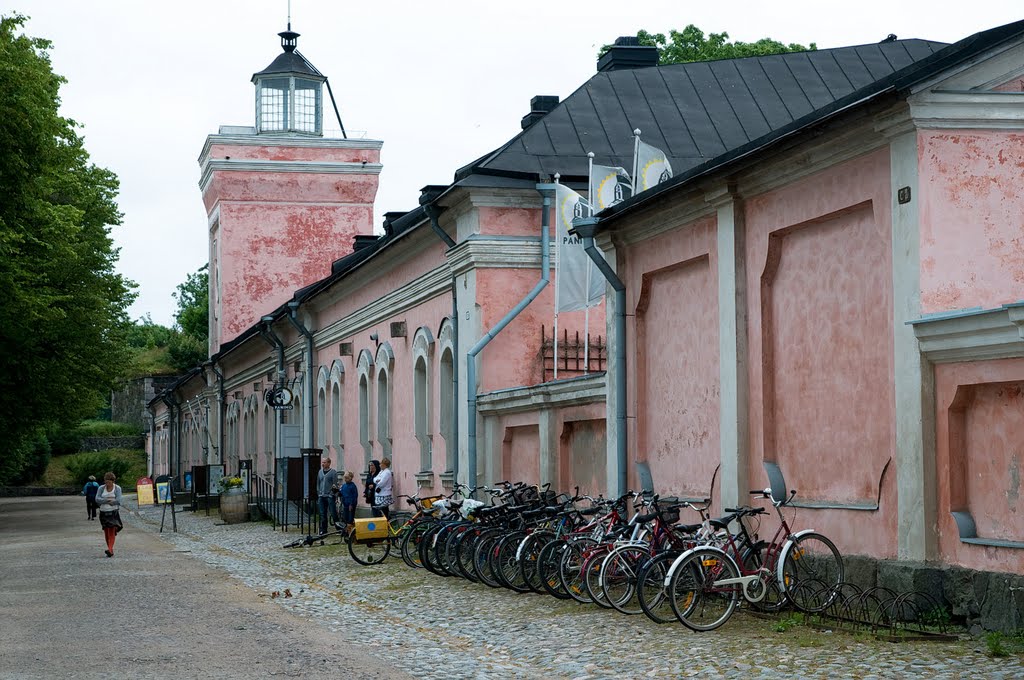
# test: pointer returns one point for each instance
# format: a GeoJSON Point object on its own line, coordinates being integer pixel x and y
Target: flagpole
{"type": "Point", "coordinates": [558, 260]}
{"type": "Point", "coordinates": [636, 155]}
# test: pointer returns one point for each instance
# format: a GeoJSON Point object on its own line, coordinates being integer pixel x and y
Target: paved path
{"type": "Point", "coordinates": [151, 611]}
{"type": "Point", "coordinates": [440, 628]}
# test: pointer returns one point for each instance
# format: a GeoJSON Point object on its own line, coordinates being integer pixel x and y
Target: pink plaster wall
{"type": "Point", "coordinates": [819, 287]}
{"type": "Point", "coordinates": [673, 352]}
{"type": "Point", "coordinates": [582, 451]}
{"type": "Point", "coordinates": [519, 459]}
{"type": "Point", "coordinates": [268, 251]}
{"type": "Point", "coordinates": [509, 221]}
{"type": "Point", "coordinates": [979, 456]}
{"type": "Point", "coordinates": [241, 152]}
{"type": "Point", "coordinates": [972, 229]}
{"type": "Point", "coordinates": [1015, 85]}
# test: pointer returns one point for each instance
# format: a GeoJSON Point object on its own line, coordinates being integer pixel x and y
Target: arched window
{"type": "Point", "coordinates": [446, 392]}
{"type": "Point", "coordinates": [422, 352]}
{"type": "Point", "coordinates": [322, 419]}
{"type": "Point", "coordinates": [336, 378]}
{"type": "Point", "coordinates": [363, 369]}
{"type": "Point", "coordinates": [385, 364]}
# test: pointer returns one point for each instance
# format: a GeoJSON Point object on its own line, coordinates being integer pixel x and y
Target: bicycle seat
{"type": "Point", "coordinates": [687, 528]}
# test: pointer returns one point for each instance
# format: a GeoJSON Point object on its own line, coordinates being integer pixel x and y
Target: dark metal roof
{"type": "Point", "coordinates": [895, 84]}
{"type": "Point", "coordinates": [290, 62]}
{"type": "Point", "coordinates": [696, 111]}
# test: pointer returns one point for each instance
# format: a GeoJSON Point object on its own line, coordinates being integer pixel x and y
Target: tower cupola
{"type": "Point", "coordinates": [289, 93]}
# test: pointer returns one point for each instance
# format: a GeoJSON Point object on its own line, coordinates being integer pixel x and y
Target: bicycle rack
{"type": "Point", "coordinates": [880, 612]}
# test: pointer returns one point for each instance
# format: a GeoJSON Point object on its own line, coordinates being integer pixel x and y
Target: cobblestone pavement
{"type": "Point", "coordinates": [436, 627]}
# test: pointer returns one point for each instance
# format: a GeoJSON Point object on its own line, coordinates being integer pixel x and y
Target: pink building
{"type": "Point", "coordinates": [828, 289]}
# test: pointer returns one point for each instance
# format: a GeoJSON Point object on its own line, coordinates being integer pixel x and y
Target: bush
{"type": "Point", "coordinates": [103, 428]}
{"type": "Point", "coordinates": [24, 459]}
{"type": "Point", "coordinates": [97, 464]}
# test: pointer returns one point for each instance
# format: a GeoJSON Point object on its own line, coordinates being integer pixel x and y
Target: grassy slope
{"type": "Point", "coordinates": [57, 474]}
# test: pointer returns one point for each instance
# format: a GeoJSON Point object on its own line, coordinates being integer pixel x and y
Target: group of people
{"type": "Point", "coordinates": [104, 500]}
{"type": "Point", "coordinates": [377, 492]}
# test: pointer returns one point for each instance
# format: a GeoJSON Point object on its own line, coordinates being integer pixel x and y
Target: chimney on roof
{"type": "Point", "coordinates": [363, 241]}
{"type": "Point", "coordinates": [540, 106]}
{"type": "Point", "coordinates": [389, 219]}
{"type": "Point", "coordinates": [628, 53]}
{"type": "Point", "coordinates": [430, 192]}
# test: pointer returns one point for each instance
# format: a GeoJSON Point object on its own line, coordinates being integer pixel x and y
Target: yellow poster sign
{"type": "Point", "coordinates": [145, 492]}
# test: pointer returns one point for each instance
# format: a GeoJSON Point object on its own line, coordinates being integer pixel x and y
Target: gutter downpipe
{"type": "Point", "coordinates": [220, 412]}
{"type": "Point", "coordinates": [546, 190]}
{"type": "Point", "coordinates": [431, 210]}
{"type": "Point", "coordinates": [586, 227]}
{"type": "Point", "coordinates": [172, 445]}
{"type": "Point", "coordinates": [267, 333]}
{"type": "Point", "coordinates": [307, 383]}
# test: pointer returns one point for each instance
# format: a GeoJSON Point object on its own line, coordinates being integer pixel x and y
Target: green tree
{"type": "Point", "coordinates": [63, 321]}
{"type": "Point", "coordinates": [690, 44]}
{"type": "Point", "coordinates": [189, 341]}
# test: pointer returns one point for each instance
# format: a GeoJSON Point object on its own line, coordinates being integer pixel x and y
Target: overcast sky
{"type": "Point", "coordinates": [441, 83]}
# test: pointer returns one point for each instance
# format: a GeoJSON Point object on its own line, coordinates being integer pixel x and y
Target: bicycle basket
{"type": "Point", "coordinates": [370, 529]}
{"type": "Point", "coordinates": [429, 501]}
{"type": "Point", "coordinates": [549, 497]}
{"type": "Point", "coordinates": [526, 494]}
{"type": "Point", "coordinates": [669, 516]}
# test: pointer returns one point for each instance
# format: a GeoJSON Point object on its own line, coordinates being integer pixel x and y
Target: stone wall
{"type": "Point", "coordinates": [128, 404]}
{"type": "Point", "coordinates": [104, 443]}
{"type": "Point", "coordinates": [979, 599]}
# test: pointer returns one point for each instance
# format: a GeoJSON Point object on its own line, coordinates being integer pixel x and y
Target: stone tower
{"type": "Point", "coordinates": [283, 200]}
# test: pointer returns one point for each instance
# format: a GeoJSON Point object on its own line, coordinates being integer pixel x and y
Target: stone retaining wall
{"type": "Point", "coordinates": [13, 491]}
{"type": "Point", "coordinates": [104, 443]}
{"type": "Point", "coordinates": [980, 599]}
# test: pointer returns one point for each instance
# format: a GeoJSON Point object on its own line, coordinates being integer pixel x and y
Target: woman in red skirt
{"type": "Point", "coordinates": [108, 499]}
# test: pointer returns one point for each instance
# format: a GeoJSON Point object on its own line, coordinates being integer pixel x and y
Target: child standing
{"type": "Point", "coordinates": [349, 498]}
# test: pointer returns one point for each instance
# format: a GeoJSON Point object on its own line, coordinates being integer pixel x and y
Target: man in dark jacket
{"type": "Point", "coordinates": [326, 487]}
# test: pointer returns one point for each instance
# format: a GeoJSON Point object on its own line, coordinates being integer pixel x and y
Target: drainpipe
{"type": "Point", "coordinates": [172, 445]}
{"type": "Point", "coordinates": [547, 191]}
{"type": "Point", "coordinates": [152, 443]}
{"type": "Point", "coordinates": [432, 212]}
{"type": "Point", "coordinates": [267, 333]}
{"type": "Point", "coordinates": [307, 384]}
{"type": "Point", "coordinates": [586, 228]}
{"type": "Point", "coordinates": [220, 413]}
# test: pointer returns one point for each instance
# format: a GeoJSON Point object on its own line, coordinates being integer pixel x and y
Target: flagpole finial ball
{"type": "Point", "coordinates": [590, 154]}
{"type": "Point", "coordinates": [558, 176]}
{"type": "Point", "coordinates": [636, 132]}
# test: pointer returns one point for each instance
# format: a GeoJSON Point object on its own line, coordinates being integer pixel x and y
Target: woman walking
{"type": "Point", "coordinates": [108, 498]}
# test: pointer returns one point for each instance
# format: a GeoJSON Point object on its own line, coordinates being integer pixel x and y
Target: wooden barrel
{"type": "Point", "coordinates": [234, 506]}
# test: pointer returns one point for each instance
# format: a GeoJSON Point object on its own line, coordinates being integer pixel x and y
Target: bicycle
{"type": "Point", "coordinates": [377, 545]}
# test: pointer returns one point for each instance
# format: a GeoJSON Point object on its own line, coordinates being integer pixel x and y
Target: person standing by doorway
{"type": "Point", "coordinates": [89, 491]}
{"type": "Point", "coordinates": [326, 487]}
{"type": "Point", "coordinates": [384, 482]}
{"type": "Point", "coordinates": [370, 489]}
{"type": "Point", "coordinates": [108, 500]}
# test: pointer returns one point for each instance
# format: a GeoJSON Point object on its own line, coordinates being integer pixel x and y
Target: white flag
{"type": "Point", "coordinates": [610, 185]}
{"type": "Point", "coordinates": [652, 166]}
{"type": "Point", "coordinates": [579, 283]}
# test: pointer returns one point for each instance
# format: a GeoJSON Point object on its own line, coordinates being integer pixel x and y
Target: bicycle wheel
{"type": "Point", "coordinates": [482, 558]}
{"type": "Point", "coordinates": [368, 553]}
{"type": "Point", "coordinates": [411, 544]}
{"type": "Point", "coordinates": [620, 575]}
{"type": "Point", "coordinates": [507, 562]}
{"type": "Point", "coordinates": [570, 569]}
{"type": "Point", "coordinates": [464, 551]}
{"type": "Point", "coordinates": [451, 555]}
{"type": "Point", "coordinates": [811, 569]}
{"type": "Point", "coordinates": [547, 569]}
{"type": "Point", "coordinates": [651, 591]}
{"type": "Point", "coordinates": [698, 600]}
{"type": "Point", "coordinates": [426, 549]}
{"type": "Point", "coordinates": [529, 556]}
{"type": "Point", "coordinates": [592, 576]}
{"type": "Point", "coordinates": [762, 556]}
